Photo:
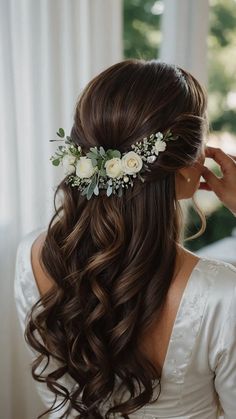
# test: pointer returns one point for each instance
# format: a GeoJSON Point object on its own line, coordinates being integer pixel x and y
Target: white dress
{"type": "Point", "coordinates": [201, 359]}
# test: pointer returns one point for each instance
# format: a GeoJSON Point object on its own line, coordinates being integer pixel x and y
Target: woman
{"type": "Point", "coordinates": [122, 318]}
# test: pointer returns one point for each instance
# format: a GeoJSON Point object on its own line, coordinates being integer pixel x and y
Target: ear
{"type": "Point", "coordinates": [184, 172]}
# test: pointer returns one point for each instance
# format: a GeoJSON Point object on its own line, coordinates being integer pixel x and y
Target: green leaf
{"type": "Point", "coordinates": [91, 155]}
{"type": "Point", "coordinates": [109, 190]}
{"type": "Point", "coordinates": [61, 133]}
{"type": "Point", "coordinates": [109, 156]}
{"type": "Point", "coordinates": [91, 187]}
{"type": "Point", "coordinates": [116, 153]}
{"type": "Point", "coordinates": [99, 163]}
{"type": "Point", "coordinates": [94, 150]}
{"type": "Point", "coordinates": [103, 172]}
{"type": "Point", "coordinates": [96, 190]}
{"type": "Point", "coordinates": [56, 162]}
{"type": "Point", "coordinates": [102, 151]}
{"type": "Point", "coordinates": [94, 162]}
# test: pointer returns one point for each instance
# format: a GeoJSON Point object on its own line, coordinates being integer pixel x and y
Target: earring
{"type": "Point", "coordinates": [188, 179]}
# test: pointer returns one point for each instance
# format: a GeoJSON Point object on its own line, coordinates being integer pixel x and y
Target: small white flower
{"type": "Point", "coordinates": [151, 159]}
{"type": "Point", "coordinates": [131, 163]}
{"type": "Point", "coordinates": [84, 167]}
{"type": "Point", "coordinates": [126, 179]}
{"type": "Point", "coordinates": [159, 135]}
{"type": "Point", "coordinates": [113, 167]}
{"type": "Point", "coordinates": [159, 146]}
{"type": "Point", "coordinates": [68, 164]}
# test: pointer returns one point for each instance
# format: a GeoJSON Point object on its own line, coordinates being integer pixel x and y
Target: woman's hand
{"type": "Point", "coordinates": [224, 187]}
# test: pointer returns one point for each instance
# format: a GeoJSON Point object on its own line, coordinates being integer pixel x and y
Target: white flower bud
{"type": "Point", "coordinates": [68, 164]}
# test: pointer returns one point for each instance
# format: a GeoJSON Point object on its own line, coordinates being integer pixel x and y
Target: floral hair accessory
{"type": "Point", "coordinates": [100, 169]}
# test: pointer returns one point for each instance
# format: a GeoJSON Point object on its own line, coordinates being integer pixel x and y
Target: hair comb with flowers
{"type": "Point", "coordinates": [100, 169]}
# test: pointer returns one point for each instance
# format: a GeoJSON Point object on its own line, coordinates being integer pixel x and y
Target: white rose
{"type": "Point", "coordinates": [113, 167]}
{"type": "Point", "coordinates": [159, 146]}
{"type": "Point", "coordinates": [84, 167]}
{"type": "Point", "coordinates": [68, 164]}
{"type": "Point", "coordinates": [131, 163]}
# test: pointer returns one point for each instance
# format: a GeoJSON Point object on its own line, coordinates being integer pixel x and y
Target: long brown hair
{"type": "Point", "coordinates": [113, 258]}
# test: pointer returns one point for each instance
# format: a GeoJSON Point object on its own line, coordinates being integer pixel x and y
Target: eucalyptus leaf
{"type": "Point", "coordinates": [109, 190]}
{"type": "Point", "coordinates": [109, 153]}
{"type": "Point", "coordinates": [61, 133]}
{"type": "Point", "coordinates": [56, 162]}
{"type": "Point", "coordinates": [91, 187]}
{"type": "Point", "coordinates": [116, 153]}
{"type": "Point", "coordinates": [91, 155]}
{"type": "Point", "coordinates": [102, 151]}
{"type": "Point", "coordinates": [94, 162]}
{"type": "Point", "coordinates": [96, 190]}
{"type": "Point", "coordinates": [94, 150]}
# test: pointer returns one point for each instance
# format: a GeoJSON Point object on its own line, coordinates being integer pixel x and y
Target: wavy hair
{"type": "Point", "coordinates": [112, 258]}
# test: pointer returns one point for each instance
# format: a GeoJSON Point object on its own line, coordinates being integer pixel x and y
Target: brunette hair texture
{"type": "Point", "coordinates": [112, 258]}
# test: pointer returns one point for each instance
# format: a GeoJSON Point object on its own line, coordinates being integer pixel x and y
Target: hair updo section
{"type": "Point", "coordinates": [134, 98]}
{"type": "Point", "coordinates": [112, 258]}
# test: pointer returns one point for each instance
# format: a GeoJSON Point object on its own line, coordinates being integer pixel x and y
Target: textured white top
{"type": "Point", "coordinates": [201, 357]}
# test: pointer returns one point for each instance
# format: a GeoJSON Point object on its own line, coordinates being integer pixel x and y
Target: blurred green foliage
{"type": "Point", "coordinates": [219, 225]}
{"type": "Point", "coordinates": [142, 34]}
{"type": "Point", "coordinates": [222, 64]}
{"type": "Point", "coordinates": [142, 39]}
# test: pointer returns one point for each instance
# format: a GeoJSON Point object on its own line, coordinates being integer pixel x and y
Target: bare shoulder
{"type": "Point", "coordinates": [42, 279]}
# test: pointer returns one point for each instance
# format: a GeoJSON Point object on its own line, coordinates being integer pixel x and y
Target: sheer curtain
{"type": "Point", "coordinates": [48, 51]}
{"type": "Point", "coordinates": [185, 31]}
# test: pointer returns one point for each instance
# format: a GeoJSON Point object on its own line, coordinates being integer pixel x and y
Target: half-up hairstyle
{"type": "Point", "coordinates": [112, 258]}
